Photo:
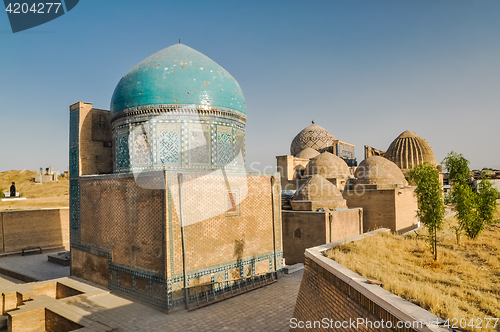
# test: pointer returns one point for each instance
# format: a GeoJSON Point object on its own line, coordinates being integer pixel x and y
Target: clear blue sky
{"type": "Point", "coordinates": [365, 70]}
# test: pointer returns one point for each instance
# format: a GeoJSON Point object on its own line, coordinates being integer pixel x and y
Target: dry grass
{"type": "Point", "coordinates": [463, 283]}
{"type": "Point", "coordinates": [38, 196]}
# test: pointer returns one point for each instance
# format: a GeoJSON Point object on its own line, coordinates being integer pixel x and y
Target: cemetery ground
{"type": "Point", "coordinates": [464, 283]}
{"type": "Point", "coordinates": [38, 195]}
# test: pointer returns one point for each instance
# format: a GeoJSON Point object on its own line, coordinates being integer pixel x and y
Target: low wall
{"type": "Point", "coordinates": [332, 297]}
{"type": "Point", "coordinates": [46, 228]}
{"type": "Point", "coordinates": [306, 229]}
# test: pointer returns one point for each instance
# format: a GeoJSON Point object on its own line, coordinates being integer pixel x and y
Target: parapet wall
{"type": "Point", "coordinates": [332, 297]}
{"type": "Point", "coordinates": [46, 228]}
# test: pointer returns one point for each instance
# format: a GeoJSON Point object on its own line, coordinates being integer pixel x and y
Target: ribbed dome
{"type": "Point", "coordinates": [379, 170]}
{"type": "Point", "coordinates": [314, 137]}
{"type": "Point", "coordinates": [177, 75]}
{"type": "Point", "coordinates": [409, 150]}
{"type": "Point", "coordinates": [317, 188]}
{"type": "Point", "coordinates": [307, 153]}
{"type": "Point", "coordinates": [328, 166]}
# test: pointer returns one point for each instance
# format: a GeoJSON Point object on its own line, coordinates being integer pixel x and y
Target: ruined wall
{"type": "Point", "coordinates": [306, 229]}
{"type": "Point", "coordinates": [34, 228]}
{"type": "Point", "coordinates": [95, 140]}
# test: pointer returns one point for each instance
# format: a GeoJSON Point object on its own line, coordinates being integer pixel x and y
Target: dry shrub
{"type": "Point", "coordinates": [463, 283]}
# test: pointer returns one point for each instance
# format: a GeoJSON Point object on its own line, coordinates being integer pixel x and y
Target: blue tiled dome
{"type": "Point", "coordinates": [178, 75]}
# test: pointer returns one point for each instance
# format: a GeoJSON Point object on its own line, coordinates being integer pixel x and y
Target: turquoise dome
{"type": "Point", "coordinates": [177, 75]}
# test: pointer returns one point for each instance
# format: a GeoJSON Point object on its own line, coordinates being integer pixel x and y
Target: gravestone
{"type": "Point", "coordinates": [13, 190]}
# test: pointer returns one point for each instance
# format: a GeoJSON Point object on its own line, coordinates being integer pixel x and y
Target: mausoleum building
{"type": "Point", "coordinates": [161, 206]}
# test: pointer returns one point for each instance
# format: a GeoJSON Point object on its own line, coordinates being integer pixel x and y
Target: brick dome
{"type": "Point", "coordinates": [409, 150]}
{"type": "Point", "coordinates": [313, 136]}
{"type": "Point", "coordinates": [379, 170]}
{"type": "Point", "coordinates": [307, 153]}
{"type": "Point", "coordinates": [317, 188]}
{"type": "Point", "coordinates": [328, 165]}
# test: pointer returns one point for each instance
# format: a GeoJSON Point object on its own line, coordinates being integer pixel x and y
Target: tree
{"type": "Point", "coordinates": [430, 200]}
{"type": "Point", "coordinates": [487, 200]}
{"type": "Point", "coordinates": [474, 210]}
{"type": "Point", "coordinates": [457, 167]}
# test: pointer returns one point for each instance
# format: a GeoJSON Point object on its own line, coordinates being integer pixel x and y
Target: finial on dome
{"type": "Point", "coordinates": [179, 40]}
{"type": "Point", "coordinates": [312, 121]}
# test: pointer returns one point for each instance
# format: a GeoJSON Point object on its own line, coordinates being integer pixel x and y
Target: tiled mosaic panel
{"type": "Point", "coordinates": [169, 146]}
{"type": "Point", "coordinates": [74, 127]}
{"type": "Point", "coordinates": [122, 160]}
{"type": "Point", "coordinates": [224, 145]}
{"type": "Point", "coordinates": [212, 237]}
{"type": "Point", "coordinates": [118, 215]}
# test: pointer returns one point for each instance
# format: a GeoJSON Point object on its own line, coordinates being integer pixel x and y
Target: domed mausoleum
{"type": "Point", "coordinates": [381, 189]}
{"type": "Point", "coordinates": [409, 150]}
{"type": "Point", "coordinates": [307, 145]}
{"type": "Point", "coordinates": [379, 171]}
{"type": "Point", "coordinates": [178, 109]}
{"type": "Point", "coordinates": [159, 195]}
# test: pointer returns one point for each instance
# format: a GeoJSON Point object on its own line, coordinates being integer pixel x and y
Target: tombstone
{"type": "Point", "coordinates": [13, 190]}
{"type": "Point", "coordinates": [50, 170]}
{"type": "Point", "coordinates": [47, 171]}
{"type": "Point", "coordinates": [41, 171]}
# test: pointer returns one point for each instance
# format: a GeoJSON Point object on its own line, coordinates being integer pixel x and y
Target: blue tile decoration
{"type": "Point", "coordinates": [169, 147]}
{"type": "Point", "coordinates": [224, 148]}
{"type": "Point", "coordinates": [122, 161]}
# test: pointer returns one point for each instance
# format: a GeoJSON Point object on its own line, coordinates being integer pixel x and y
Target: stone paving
{"type": "Point", "coordinates": [265, 309]}
{"type": "Point", "coordinates": [35, 266]}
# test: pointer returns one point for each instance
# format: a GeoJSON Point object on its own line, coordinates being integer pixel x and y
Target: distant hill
{"type": "Point", "coordinates": [38, 195]}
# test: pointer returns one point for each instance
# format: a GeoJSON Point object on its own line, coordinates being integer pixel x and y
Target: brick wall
{"type": "Point", "coordinates": [306, 229]}
{"type": "Point", "coordinates": [34, 228]}
{"type": "Point", "coordinates": [379, 210]}
{"type": "Point", "coordinates": [95, 138]}
{"type": "Point", "coordinates": [331, 297]}
{"type": "Point", "coordinates": [323, 295]}
{"type": "Point", "coordinates": [406, 210]}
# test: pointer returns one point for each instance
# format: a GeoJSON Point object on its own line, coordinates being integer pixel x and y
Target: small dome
{"type": "Point", "coordinates": [314, 137]}
{"type": "Point", "coordinates": [317, 188]}
{"type": "Point", "coordinates": [409, 150]}
{"type": "Point", "coordinates": [328, 166]}
{"type": "Point", "coordinates": [177, 75]}
{"type": "Point", "coordinates": [378, 170]}
{"type": "Point", "coordinates": [307, 153]}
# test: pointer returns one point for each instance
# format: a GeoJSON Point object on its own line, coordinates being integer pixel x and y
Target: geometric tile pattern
{"type": "Point", "coordinates": [144, 235]}
{"type": "Point", "coordinates": [314, 137]}
{"type": "Point", "coordinates": [74, 173]}
{"type": "Point", "coordinates": [224, 146]}
{"type": "Point", "coordinates": [178, 142]}
{"type": "Point", "coordinates": [122, 160]}
{"type": "Point", "coordinates": [118, 215]}
{"type": "Point", "coordinates": [169, 147]}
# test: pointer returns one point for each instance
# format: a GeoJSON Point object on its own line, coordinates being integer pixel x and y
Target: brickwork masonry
{"type": "Point", "coordinates": [332, 297]}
